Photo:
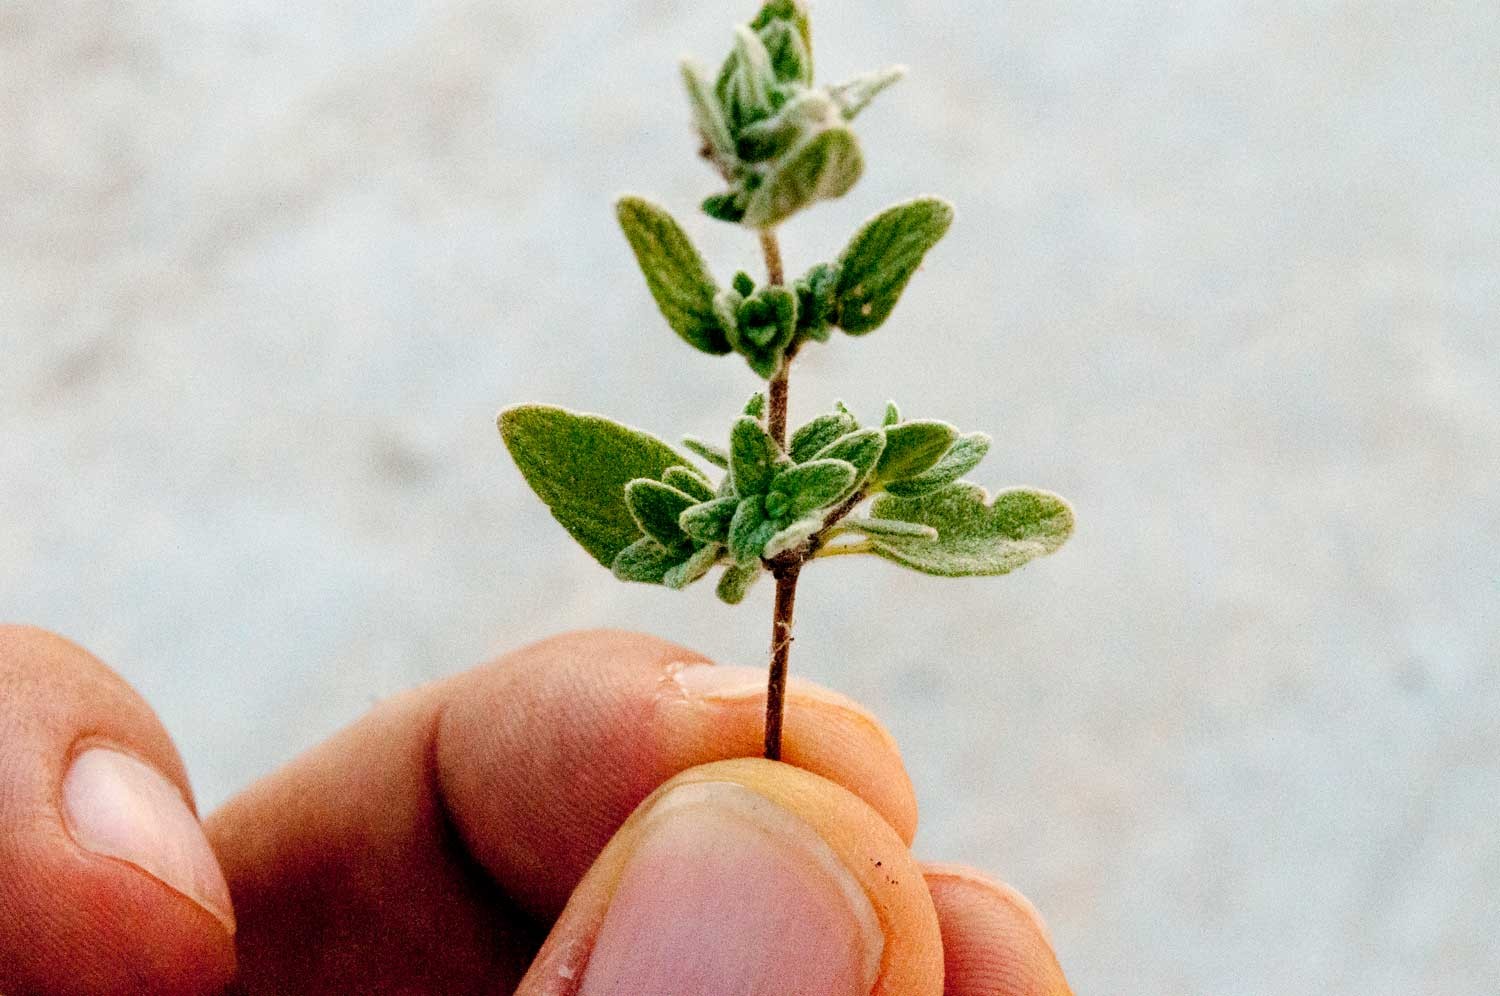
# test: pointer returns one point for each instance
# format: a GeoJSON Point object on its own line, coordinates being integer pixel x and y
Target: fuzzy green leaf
{"type": "Point", "coordinates": [962, 457]}
{"type": "Point", "coordinates": [855, 95]}
{"type": "Point", "coordinates": [690, 481]}
{"type": "Point", "coordinates": [810, 486]}
{"type": "Point", "coordinates": [736, 582]}
{"type": "Point", "coordinates": [746, 81]}
{"type": "Point", "coordinates": [913, 447]}
{"type": "Point", "coordinates": [693, 568]}
{"type": "Point", "coordinates": [750, 531]}
{"type": "Point", "coordinates": [861, 448]}
{"type": "Point", "coordinates": [882, 257]}
{"type": "Point", "coordinates": [708, 522]}
{"type": "Point", "coordinates": [715, 455]}
{"type": "Point", "coordinates": [756, 406]}
{"type": "Point", "coordinates": [892, 414]}
{"type": "Point", "coordinates": [645, 561]}
{"type": "Point", "coordinates": [675, 273]}
{"type": "Point", "coordinates": [707, 114]}
{"type": "Point", "coordinates": [888, 527]}
{"type": "Point", "coordinates": [818, 433]}
{"type": "Point", "coordinates": [976, 537]}
{"type": "Point", "coordinates": [792, 536]}
{"type": "Point", "coordinates": [817, 301]}
{"type": "Point", "coordinates": [753, 457]}
{"type": "Point", "coordinates": [656, 507]}
{"type": "Point", "coordinates": [792, 14]}
{"type": "Point", "coordinates": [824, 167]}
{"type": "Point", "coordinates": [579, 466]}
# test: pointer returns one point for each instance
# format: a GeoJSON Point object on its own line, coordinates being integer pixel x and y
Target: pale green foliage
{"type": "Point", "coordinates": [675, 273]}
{"type": "Point", "coordinates": [975, 536]}
{"type": "Point", "coordinates": [963, 456]}
{"type": "Point", "coordinates": [876, 266]}
{"type": "Point", "coordinates": [912, 448]}
{"type": "Point", "coordinates": [780, 143]}
{"type": "Point", "coordinates": [579, 466]}
{"type": "Point", "coordinates": [650, 514]}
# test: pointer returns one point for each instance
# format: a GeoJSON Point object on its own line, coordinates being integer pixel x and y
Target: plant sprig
{"type": "Point", "coordinates": [833, 487]}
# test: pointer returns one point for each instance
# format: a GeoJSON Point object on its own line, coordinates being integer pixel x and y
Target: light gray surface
{"type": "Point", "coordinates": [1225, 274]}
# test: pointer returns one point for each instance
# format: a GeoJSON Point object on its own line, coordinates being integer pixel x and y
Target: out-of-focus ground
{"type": "Point", "coordinates": [1225, 274]}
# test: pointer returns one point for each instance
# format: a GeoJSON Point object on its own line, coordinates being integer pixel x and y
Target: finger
{"type": "Point", "coordinates": [107, 883]}
{"type": "Point", "coordinates": [402, 845]}
{"type": "Point", "coordinates": [747, 877]}
{"type": "Point", "coordinates": [994, 940]}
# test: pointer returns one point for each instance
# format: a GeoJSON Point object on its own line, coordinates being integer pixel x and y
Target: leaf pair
{"type": "Point", "coordinates": [857, 293]}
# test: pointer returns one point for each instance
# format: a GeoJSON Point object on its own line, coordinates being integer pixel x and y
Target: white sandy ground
{"type": "Point", "coordinates": [1225, 274]}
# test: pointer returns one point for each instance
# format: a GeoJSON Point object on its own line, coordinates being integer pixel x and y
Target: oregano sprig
{"type": "Point", "coordinates": [773, 500]}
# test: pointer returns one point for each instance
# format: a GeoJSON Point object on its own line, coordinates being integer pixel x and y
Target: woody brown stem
{"type": "Point", "coordinates": [785, 573]}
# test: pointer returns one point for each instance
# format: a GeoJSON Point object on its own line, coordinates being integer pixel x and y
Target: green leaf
{"type": "Point", "coordinates": [746, 81]}
{"type": "Point", "coordinates": [887, 527]}
{"type": "Point", "coordinates": [961, 458]}
{"type": "Point", "coordinates": [862, 449]}
{"type": "Point", "coordinates": [693, 568]}
{"type": "Point", "coordinates": [645, 561]}
{"type": "Point", "coordinates": [811, 486]}
{"type": "Point", "coordinates": [913, 447]}
{"type": "Point", "coordinates": [656, 507]}
{"type": "Point", "coordinates": [789, 13]}
{"type": "Point", "coordinates": [715, 455]}
{"type": "Point", "coordinates": [824, 167]}
{"type": "Point", "coordinates": [818, 433]}
{"type": "Point", "coordinates": [753, 457]}
{"type": "Point", "coordinates": [855, 95]}
{"type": "Point", "coordinates": [690, 481]}
{"type": "Point", "coordinates": [736, 581]}
{"type": "Point", "coordinates": [817, 301]}
{"type": "Point", "coordinates": [750, 530]}
{"type": "Point", "coordinates": [795, 535]}
{"type": "Point", "coordinates": [882, 257]}
{"type": "Point", "coordinates": [728, 206]}
{"type": "Point", "coordinates": [892, 414]}
{"type": "Point", "coordinates": [756, 406]}
{"type": "Point", "coordinates": [579, 466]}
{"type": "Point", "coordinates": [707, 115]}
{"type": "Point", "coordinates": [976, 537]}
{"type": "Point", "coordinates": [708, 522]}
{"type": "Point", "coordinates": [675, 273]}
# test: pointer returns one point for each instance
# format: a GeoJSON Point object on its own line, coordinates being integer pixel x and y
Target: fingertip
{"type": "Point", "coordinates": [747, 876]}
{"type": "Point", "coordinates": [107, 883]}
{"type": "Point", "coordinates": [543, 754]}
{"type": "Point", "coordinates": [995, 942]}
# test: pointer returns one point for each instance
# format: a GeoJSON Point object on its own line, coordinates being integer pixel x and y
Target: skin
{"type": "Point", "coordinates": [434, 846]}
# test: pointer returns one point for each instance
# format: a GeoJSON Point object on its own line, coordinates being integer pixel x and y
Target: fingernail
{"type": "Point", "coordinates": [122, 808]}
{"type": "Point", "coordinates": [728, 894]}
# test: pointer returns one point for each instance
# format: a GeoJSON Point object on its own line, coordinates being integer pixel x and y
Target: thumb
{"type": "Point", "coordinates": [747, 878]}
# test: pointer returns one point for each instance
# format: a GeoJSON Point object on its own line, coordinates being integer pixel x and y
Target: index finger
{"type": "Point", "coordinates": [434, 833]}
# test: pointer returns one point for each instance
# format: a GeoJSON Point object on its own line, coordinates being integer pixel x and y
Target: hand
{"type": "Point", "coordinates": [467, 837]}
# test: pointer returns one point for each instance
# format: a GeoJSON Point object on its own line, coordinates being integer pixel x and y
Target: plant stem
{"type": "Point", "coordinates": [775, 276]}
{"type": "Point", "coordinates": [786, 575]}
{"type": "Point", "coordinates": [781, 649]}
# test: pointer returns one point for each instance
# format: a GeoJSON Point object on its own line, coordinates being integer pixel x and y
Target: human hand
{"type": "Point", "coordinates": [467, 837]}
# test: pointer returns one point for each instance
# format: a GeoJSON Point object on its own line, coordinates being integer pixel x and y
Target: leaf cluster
{"type": "Point", "coordinates": [651, 516]}
{"type": "Point", "coordinates": [780, 142]}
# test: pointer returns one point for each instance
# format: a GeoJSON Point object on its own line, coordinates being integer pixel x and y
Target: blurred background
{"type": "Point", "coordinates": [1225, 274]}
